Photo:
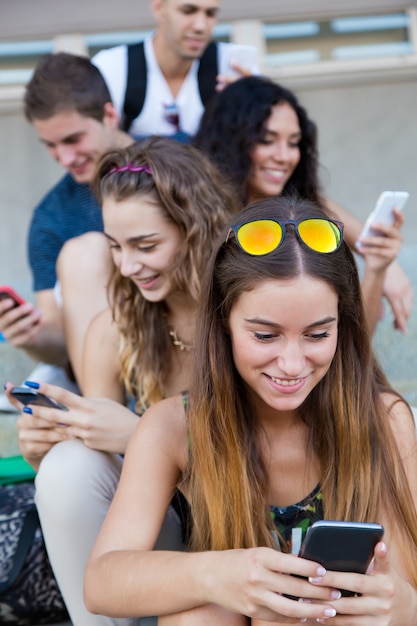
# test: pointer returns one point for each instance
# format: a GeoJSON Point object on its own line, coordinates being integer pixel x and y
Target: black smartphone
{"type": "Point", "coordinates": [25, 395]}
{"type": "Point", "coordinates": [342, 546]}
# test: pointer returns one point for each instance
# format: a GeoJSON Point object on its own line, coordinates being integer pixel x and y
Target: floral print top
{"type": "Point", "coordinates": [293, 521]}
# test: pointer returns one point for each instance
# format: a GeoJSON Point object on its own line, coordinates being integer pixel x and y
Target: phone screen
{"type": "Point", "coordinates": [242, 55]}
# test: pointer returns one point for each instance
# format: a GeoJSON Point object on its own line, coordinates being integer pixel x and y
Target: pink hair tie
{"type": "Point", "coordinates": [132, 168]}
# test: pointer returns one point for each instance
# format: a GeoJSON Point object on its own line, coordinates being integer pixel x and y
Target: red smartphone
{"type": "Point", "coordinates": [7, 292]}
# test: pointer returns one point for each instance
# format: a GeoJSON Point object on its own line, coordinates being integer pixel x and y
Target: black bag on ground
{"type": "Point", "coordinates": [29, 593]}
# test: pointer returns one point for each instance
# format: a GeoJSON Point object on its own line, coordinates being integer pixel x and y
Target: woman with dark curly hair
{"type": "Point", "coordinates": [263, 140]}
{"type": "Point", "coordinates": [249, 117]}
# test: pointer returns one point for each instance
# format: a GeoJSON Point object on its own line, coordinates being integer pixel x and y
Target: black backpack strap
{"type": "Point", "coordinates": [135, 84]}
{"type": "Point", "coordinates": [207, 73]}
{"type": "Point", "coordinates": [26, 537]}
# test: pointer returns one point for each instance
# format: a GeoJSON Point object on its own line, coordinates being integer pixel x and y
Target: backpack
{"type": "Point", "coordinates": [137, 75]}
{"type": "Point", "coordinates": [29, 593]}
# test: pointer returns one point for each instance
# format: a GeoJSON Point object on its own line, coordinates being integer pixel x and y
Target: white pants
{"type": "Point", "coordinates": [74, 488]}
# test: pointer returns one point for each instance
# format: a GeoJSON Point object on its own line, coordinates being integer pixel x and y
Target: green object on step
{"type": "Point", "coordinates": [14, 469]}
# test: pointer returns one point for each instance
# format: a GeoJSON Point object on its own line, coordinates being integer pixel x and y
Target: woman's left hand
{"type": "Point", "coordinates": [380, 250]}
{"type": "Point", "coordinates": [384, 597]}
{"type": "Point", "coordinates": [223, 80]}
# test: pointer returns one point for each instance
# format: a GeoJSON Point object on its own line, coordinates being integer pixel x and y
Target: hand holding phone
{"type": "Point", "coordinates": [383, 211]}
{"type": "Point", "coordinates": [7, 292]}
{"type": "Point", "coordinates": [26, 396]}
{"type": "Point", "coordinates": [245, 57]}
{"type": "Point", "coordinates": [342, 546]}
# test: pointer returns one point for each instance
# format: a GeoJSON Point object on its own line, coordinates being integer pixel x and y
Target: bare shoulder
{"type": "Point", "coordinates": [103, 318]}
{"type": "Point", "coordinates": [103, 326]}
{"type": "Point", "coordinates": [165, 423]}
{"type": "Point", "coordinates": [402, 423]}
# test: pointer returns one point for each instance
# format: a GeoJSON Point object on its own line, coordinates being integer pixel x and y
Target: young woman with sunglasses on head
{"type": "Point", "coordinates": [288, 410]}
{"type": "Point", "coordinates": [262, 139]}
{"type": "Point", "coordinates": [163, 206]}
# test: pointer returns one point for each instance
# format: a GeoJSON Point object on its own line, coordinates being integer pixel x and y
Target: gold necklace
{"type": "Point", "coordinates": [184, 347]}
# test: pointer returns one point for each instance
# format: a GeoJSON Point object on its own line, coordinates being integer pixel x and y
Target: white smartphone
{"type": "Point", "coordinates": [245, 56]}
{"type": "Point", "coordinates": [383, 210]}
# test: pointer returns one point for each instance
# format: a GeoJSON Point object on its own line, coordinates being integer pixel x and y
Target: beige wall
{"type": "Point", "coordinates": [368, 143]}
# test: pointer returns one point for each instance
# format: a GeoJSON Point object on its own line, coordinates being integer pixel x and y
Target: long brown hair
{"type": "Point", "coordinates": [361, 469]}
{"type": "Point", "coordinates": [192, 195]}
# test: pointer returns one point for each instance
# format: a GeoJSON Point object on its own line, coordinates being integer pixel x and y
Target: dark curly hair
{"type": "Point", "coordinates": [234, 121]}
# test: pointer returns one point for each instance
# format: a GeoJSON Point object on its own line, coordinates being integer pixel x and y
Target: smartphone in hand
{"type": "Point", "coordinates": [7, 292]}
{"type": "Point", "coordinates": [342, 546]}
{"type": "Point", "coordinates": [243, 55]}
{"type": "Point", "coordinates": [26, 396]}
{"type": "Point", "coordinates": [383, 211]}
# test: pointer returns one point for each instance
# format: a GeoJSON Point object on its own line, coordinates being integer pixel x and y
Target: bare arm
{"type": "Point", "coordinates": [396, 286]}
{"type": "Point", "coordinates": [101, 368]}
{"type": "Point", "coordinates": [124, 576]}
{"type": "Point", "coordinates": [379, 252]}
{"type": "Point", "coordinates": [387, 593]}
{"type": "Point", "coordinates": [100, 421]}
{"type": "Point", "coordinates": [83, 268]}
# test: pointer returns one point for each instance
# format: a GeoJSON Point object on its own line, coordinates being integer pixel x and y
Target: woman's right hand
{"type": "Point", "coordinates": [36, 435]}
{"type": "Point", "coordinates": [381, 249]}
{"type": "Point", "coordinates": [101, 423]}
{"type": "Point", "coordinates": [255, 582]}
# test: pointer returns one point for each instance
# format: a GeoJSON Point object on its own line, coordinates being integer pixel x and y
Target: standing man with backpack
{"type": "Point", "coordinates": [162, 85]}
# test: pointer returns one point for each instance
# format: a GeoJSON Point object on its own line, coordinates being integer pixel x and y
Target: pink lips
{"type": "Point", "coordinates": [287, 387]}
{"type": "Point", "coordinates": [149, 284]}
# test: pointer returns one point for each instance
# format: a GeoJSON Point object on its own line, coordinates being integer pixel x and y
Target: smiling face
{"type": "Point", "coordinates": [185, 27]}
{"type": "Point", "coordinates": [77, 142]}
{"type": "Point", "coordinates": [275, 157]}
{"type": "Point", "coordinates": [284, 337]}
{"type": "Point", "coordinates": [143, 243]}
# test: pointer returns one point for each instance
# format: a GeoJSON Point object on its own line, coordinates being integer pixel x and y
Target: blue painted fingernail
{"type": "Point", "coordinates": [5, 386]}
{"type": "Point", "coordinates": [31, 384]}
{"type": "Point", "coordinates": [27, 409]}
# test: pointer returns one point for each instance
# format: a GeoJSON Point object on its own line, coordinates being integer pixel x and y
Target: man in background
{"type": "Point", "coordinates": [69, 106]}
{"type": "Point", "coordinates": [161, 85]}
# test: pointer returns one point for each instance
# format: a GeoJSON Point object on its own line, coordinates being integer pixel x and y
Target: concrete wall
{"type": "Point", "coordinates": [368, 143]}
{"type": "Point", "coordinates": [26, 173]}
{"type": "Point", "coordinates": [62, 16]}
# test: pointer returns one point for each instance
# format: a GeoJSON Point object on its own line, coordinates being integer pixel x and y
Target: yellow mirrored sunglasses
{"type": "Point", "coordinates": [263, 236]}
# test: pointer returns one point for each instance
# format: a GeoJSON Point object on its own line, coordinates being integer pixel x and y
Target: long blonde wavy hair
{"type": "Point", "coordinates": [192, 195]}
{"type": "Point", "coordinates": [349, 429]}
